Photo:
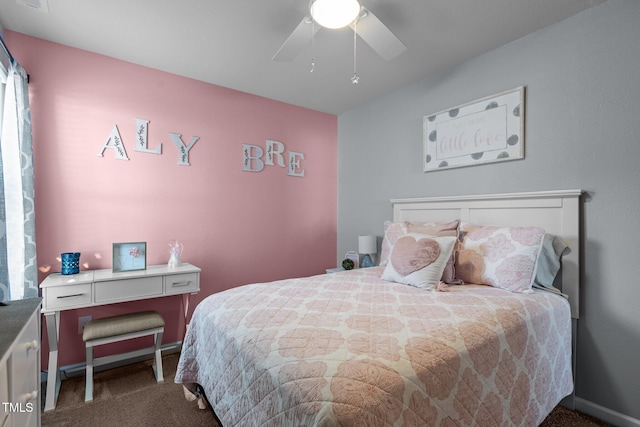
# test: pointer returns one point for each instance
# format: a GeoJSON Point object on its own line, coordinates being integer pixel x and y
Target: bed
{"type": "Point", "coordinates": [355, 348]}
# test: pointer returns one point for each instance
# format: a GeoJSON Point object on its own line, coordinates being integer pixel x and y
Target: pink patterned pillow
{"type": "Point", "coordinates": [394, 230]}
{"type": "Point", "coordinates": [503, 257]}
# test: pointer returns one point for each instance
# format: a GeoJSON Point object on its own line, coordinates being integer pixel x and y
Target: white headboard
{"type": "Point", "coordinates": [558, 212]}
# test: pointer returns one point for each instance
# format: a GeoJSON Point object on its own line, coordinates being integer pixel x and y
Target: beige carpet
{"type": "Point", "coordinates": [129, 396]}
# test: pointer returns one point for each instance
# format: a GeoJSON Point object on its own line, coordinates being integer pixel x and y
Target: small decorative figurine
{"type": "Point", "coordinates": [175, 251]}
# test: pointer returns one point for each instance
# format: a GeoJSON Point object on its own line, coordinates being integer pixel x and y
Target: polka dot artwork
{"type": "Point", "coordinates": [482, 131]}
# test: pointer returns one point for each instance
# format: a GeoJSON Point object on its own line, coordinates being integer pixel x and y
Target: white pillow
{"type": "Point", "coordinates": [419, 260]}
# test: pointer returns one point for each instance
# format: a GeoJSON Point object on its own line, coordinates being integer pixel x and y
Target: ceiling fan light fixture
{"type": "Point", "coordinates": [335, 13]}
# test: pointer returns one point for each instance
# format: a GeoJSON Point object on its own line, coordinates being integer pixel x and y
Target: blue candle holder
{"type": "Point", "coordinates": [70, 263]}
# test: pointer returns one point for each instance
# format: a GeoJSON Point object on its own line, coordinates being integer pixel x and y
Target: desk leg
{"type": "Point", "coordinates": [185, 306]}
{"type": "Point", "coordinates": [53, 376]}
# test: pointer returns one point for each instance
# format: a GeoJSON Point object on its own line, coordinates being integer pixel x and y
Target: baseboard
{"type": "Point", "coordinates": [605, 414]}
{"type": "Point", "coordinates": [78, 369]}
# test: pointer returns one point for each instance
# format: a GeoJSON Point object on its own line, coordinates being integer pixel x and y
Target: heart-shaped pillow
{"type": "Point", "coordinates": [419, 260]}
{"type": "Point", "coordinates": [410, 255]}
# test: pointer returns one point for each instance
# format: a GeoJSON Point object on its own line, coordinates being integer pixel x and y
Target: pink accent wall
{"type": "Point", "coordinates": [239, 227]}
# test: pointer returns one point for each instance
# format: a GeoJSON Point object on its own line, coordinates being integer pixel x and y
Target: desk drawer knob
{"type": "Point", "coordinates": [181, 284]}
{"type": "Point", "coordinates": [69, 296]}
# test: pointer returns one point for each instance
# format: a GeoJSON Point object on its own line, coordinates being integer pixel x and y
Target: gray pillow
{"type": "Point", "coordinates": [549, 262]}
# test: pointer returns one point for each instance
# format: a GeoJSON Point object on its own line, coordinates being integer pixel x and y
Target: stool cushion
{"type": "Point", "coordinates": [120, 325]}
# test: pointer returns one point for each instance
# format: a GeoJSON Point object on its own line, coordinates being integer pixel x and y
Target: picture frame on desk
{"type": "Point", "coordinates": [353, 256]}
{"type": "Point", "coordinates": [129, 256]}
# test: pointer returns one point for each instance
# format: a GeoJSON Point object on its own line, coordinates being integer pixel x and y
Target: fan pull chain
{"type": "Point", "coordinates": [313, 46]}
{"type": "Point", "coordinates": [355, 78]}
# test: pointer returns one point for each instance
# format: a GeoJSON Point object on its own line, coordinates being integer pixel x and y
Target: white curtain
{"type": "Point", "coordinates": [18, 266]}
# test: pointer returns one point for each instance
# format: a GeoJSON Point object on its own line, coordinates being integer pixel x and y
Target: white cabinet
{"type": "Point", "coordinates": [20, 364]}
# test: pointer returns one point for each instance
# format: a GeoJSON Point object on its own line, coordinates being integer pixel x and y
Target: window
{"type": "Point", "coordinates": [18, 274]}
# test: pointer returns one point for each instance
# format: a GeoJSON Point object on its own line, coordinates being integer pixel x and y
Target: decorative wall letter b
{"type": "Point", "coordinates": [251, 161]}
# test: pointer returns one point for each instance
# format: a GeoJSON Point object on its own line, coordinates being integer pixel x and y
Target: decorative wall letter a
{"type": "Point", "coordinates": [114, 142]}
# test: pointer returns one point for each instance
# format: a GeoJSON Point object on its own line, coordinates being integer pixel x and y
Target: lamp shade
{"type": "Point", "coordinates": [367, 245]}
{"type": "Point", "coordinates": [335, 13]}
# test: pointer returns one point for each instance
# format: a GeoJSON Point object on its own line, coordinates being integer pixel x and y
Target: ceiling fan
{"type": "Point", "coordinates": [321, 12]}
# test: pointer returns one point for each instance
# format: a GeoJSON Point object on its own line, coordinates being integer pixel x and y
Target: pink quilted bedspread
{"type": "Point", "coordinates": [351, 349]}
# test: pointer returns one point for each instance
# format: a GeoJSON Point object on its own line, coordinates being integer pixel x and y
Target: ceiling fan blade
{"type": "Point", "coordinates": [296, 41]}
{"type": "Point", "coordinates": [378, 36]}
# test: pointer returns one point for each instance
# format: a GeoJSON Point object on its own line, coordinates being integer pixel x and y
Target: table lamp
{"type": "Point", "coordinates": [367, 245]}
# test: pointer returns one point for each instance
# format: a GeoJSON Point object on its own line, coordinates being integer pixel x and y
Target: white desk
{"type": "Point", "coordinates": [100, 287]}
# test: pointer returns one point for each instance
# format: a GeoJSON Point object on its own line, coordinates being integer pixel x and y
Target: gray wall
{"type": "Point", "coordinates": [582, 79]}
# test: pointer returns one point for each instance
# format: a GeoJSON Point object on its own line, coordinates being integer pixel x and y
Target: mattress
{"type": "Point", "coordinates": [351, 349]}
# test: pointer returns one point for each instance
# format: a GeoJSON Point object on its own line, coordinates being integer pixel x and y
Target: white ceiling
{"type": "Point", "coordinates": [231, 42]}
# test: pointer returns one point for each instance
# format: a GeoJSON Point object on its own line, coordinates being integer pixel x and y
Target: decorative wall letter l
{"type": "Point", "coordinates": [142, 128]}
{"type": "Point", "coordinates": [114, 142]}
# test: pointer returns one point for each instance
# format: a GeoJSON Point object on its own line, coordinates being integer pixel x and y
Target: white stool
{"type": "Point", "coordinates": [119, 328]}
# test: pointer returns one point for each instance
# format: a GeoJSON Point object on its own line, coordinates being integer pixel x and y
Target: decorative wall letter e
{"type": "Point", "coordinates": [114, 142]}
{"type": "Point", "coordinates": [294, 164]}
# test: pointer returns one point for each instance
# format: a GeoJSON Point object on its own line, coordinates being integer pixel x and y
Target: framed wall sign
{"type": "Point", "coordinates": [487, 130]}
{"type": "Point", "coordinates": [129, 256]}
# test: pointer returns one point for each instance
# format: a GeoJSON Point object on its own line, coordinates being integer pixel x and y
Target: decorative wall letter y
{"type": "Point", "coordinates": [183, 150]}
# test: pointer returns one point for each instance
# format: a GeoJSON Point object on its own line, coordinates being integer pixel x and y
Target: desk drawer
{"type": "Point", "coordinates": [181, 283]}
{"type": "Point", "coordinates": [67, 296]}
{"type": "Point", "coordinates": [128, 289]}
